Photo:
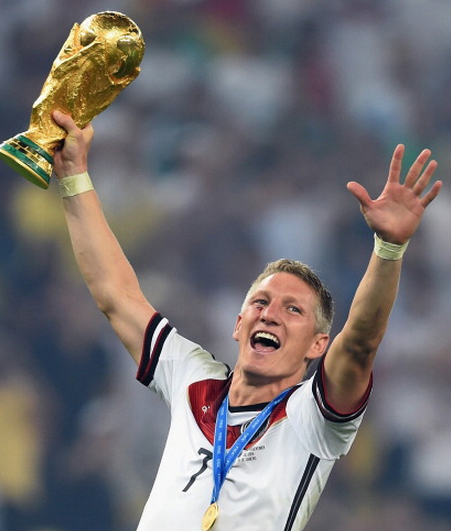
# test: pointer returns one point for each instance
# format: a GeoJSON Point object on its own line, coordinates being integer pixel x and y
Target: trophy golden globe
{"type": "Point", "coordinates": [100, 57]}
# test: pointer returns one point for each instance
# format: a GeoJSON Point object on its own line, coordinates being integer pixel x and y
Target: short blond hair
{"type": "Point", "coordinates": [324, 309]}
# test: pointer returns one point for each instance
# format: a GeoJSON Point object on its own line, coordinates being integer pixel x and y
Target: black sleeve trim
{"type": "Point", "coordinates": [328, 411]}
{"type": "Point", "coordinates": [150, 357]}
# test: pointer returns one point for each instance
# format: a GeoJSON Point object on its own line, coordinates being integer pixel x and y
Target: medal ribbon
{"type": "Point", "coordinates": [223, 462]}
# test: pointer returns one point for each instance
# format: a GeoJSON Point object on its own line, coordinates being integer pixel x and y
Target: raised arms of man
{"type": "Point", "coordinates": [105, 269]}
{"type": "Point", "coordinates": [394, 216]}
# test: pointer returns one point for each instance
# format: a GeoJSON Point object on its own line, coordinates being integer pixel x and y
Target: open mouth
{"type": "Point", "coordinates": [265, 342]}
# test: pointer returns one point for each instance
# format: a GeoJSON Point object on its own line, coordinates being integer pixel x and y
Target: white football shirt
{"type": "Point", "coordinates": [276, 481]}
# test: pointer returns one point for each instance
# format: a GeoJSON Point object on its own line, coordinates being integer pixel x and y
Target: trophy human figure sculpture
{"type": "Point", "coordinates": [100, 57]}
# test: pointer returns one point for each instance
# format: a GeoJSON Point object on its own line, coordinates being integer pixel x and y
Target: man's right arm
{"type": "Point", "coordinates": [102, 263]}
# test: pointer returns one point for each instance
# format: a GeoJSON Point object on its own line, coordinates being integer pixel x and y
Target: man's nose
{"type": "Point", "coordinates": [270, 314]}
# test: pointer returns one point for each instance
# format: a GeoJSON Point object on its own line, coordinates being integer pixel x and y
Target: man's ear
{"type": "Point", "coordinates": [319, 346]}
{"type": "Point", "coordinates": [237, 328]}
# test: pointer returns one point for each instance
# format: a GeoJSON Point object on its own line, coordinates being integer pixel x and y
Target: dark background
{"type": "Point", "coordinates": [232, 148]}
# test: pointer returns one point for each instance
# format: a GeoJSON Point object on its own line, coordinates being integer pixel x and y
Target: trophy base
{"type": "Point", "coordinates": [28, 159]}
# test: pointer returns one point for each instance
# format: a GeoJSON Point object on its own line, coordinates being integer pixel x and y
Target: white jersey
{"type": "Point", "coordinates": [276, 481]}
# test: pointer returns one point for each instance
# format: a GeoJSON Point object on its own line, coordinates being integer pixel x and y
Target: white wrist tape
{"type": "Point", "coordinates": [75, 184]}
{"type": "Point", "coordinates": [389, 251]}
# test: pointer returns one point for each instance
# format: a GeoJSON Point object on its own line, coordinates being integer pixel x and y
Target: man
{"type": "Point", "coordinates": [250, 450]}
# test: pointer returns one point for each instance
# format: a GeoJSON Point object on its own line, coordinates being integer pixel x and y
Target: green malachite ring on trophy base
{"type": "Point", "coordinates": [28, 159]}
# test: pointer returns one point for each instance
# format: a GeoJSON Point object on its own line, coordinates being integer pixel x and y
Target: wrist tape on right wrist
{"type": "Point", "coordinates": [75, 184]}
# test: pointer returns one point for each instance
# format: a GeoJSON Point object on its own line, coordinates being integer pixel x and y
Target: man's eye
{"type": "Point", "coordinates": [294, 309]}
{"type": "Point", "coordinates": [260, 302]}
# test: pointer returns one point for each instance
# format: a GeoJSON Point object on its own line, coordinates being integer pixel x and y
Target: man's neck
{"type": "Point", "coordinates": [245, 392]}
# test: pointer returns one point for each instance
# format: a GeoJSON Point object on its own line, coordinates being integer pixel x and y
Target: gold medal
{"type": "Point", "coordinates": [209, 519]}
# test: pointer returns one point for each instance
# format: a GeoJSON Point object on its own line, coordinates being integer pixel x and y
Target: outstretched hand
{"type": "Point", "coordinates": [396, 214]}
{"type": "Point", "coordinates": [72, 157]}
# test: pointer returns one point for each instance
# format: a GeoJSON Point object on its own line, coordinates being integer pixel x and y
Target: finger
{"type": "Point", "coordinates": [73, 131]}
{"type": "Point", "coordinates": [417, 167]}
{"type": "Point", "coordinates": [64, 120]}
{"type": "Point", "coordinates": [360, 193]}
{"type": "Point", "coordinates": [425, 177]}
{"type": "Point", "coordinates": [88, 133]}
{"type": "Point", "coordinates": [432, 194]}
{"type": "Point", "coordinates": [396, 164]}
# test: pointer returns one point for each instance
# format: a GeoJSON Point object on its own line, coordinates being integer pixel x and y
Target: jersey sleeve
{"type": "Point", "coordinates": [169, 362]}
{"type": "Point", "coordinates": [324, 431]}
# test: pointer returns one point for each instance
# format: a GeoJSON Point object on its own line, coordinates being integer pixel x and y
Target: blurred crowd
{"type": "Point", "coordinates": [232, 148]}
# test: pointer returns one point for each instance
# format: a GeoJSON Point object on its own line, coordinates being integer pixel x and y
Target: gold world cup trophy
{"type": "Point", "coordinates": [100, 57]}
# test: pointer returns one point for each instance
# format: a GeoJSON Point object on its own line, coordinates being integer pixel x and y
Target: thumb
{"type": "Point", "coordinates": [64, 120]}
{"type": "Point", "coordinates": [359, 192]}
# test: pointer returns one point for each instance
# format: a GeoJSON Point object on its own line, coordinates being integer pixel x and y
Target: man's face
{"type": "Point", "coordinates": [276, 332]}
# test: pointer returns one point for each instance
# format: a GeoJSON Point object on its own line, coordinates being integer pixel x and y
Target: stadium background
{"type": "Point", "coordinates": [232, 148]}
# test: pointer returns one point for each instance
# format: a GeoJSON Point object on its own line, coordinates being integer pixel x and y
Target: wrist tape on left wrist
{"type": "Point", "coordinates": [389, 251]}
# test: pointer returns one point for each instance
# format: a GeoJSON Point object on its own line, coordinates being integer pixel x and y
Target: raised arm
{"type": "Point", "coordinates": [103, 265]}
{"type": "Point", "coordinates": [394, 217]}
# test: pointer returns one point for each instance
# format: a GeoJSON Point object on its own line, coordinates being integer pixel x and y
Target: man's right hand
{"type": "Point", "coordinates": [72, 157]}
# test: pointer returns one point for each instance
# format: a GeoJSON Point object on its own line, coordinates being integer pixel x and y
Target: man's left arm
{"type": "Point", "coordinates": [394, 217]}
